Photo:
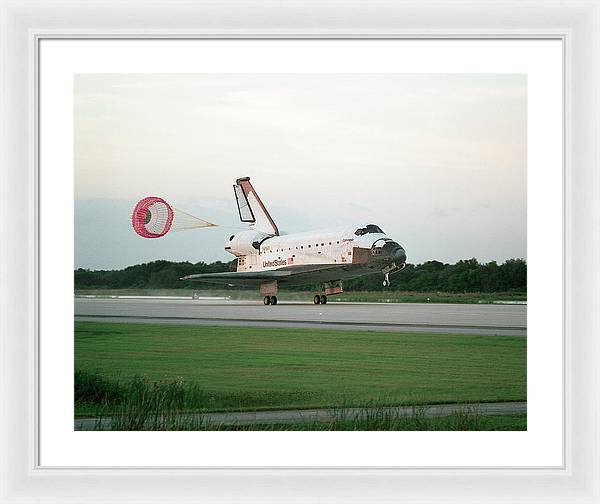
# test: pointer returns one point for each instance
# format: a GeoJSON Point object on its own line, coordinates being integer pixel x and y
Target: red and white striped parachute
{"type": "Point", "coordinates": [153, 217]}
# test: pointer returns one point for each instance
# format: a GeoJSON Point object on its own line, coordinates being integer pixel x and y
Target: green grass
{"type": "Point", "coordinates": [142, 404]}
{"type": "Point", "coordinates": [467, 420]}
{"type": "Point", "coordinates": [383, 296]}
{"type": "Point", "coordinates": [232, 368]}
{"type": "Point", "coordinates": [456, 422]}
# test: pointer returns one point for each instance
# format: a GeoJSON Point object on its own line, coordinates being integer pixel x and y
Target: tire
{"type": "Point", "coordinates": [267, 300]}
{"type": "Point", "coordinates": [386, 283]}
{"type": "Point", "coordinates": [317, 299]}
{"type": "Point", "coordinates": [323, 299]}
{"type": "Point", "coordinates": [273, 300]}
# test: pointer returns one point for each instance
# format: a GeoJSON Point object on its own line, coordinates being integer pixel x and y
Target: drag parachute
{"type": "Point", "coordinates": [153, 217]}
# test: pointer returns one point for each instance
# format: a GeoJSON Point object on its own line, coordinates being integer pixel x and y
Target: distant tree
{"type": "Point", "coordinates": [432, 276]}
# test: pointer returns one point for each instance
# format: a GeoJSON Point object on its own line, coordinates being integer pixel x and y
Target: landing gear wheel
{"type": "Point", "coordinates": [267, 300]}
{"type": "Point", "coordinates": [386, 280]}
{"type": "Point", "coordinates": [273, 300]}
{"type": "Point", "coordinates": [323, 299]}
{"type": "Point", "coordinates": [317, 299]}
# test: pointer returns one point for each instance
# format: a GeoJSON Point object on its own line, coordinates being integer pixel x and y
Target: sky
{"type": "Point", "coordinates": [439, 161]}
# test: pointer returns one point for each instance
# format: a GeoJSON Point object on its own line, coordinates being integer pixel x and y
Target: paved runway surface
{"type": "Point", "coordinates": [413, 317]}
{"type": "Point", "coordinates": [326, 415]}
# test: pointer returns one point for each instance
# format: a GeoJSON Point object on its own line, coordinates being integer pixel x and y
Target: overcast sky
{"type": "Point", "coordinates": [437, 160]}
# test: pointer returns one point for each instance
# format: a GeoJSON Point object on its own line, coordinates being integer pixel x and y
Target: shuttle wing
{"type": "Point", "coordinates": [293, 275]}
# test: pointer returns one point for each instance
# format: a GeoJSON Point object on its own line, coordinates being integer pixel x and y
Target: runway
{"type": "Point", "coordinates": [327, 414]}
{"type": "Point", "coordinates": [398, 317]}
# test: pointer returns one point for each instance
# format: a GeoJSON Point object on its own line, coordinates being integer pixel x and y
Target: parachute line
{"type": "Point", "coordinates": [184, 220]}
{"type": "Point", "coordinates": [153, 217]}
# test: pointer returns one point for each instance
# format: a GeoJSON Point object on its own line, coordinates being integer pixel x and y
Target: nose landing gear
{"type": "Point", "coordinates": [392, 268]}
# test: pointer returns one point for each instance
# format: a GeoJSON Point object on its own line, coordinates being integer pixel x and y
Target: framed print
{"type": "Point", "coordinates": [309, 100]}
{"type": "Point", "coordinates": [408, 254]}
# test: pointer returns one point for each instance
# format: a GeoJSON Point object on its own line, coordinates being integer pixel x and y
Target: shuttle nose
{"type": "Point", "coordinates": [394, 251]}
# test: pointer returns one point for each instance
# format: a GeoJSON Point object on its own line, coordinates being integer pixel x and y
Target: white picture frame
{"type": "Point", "coordinates": [23, 24]}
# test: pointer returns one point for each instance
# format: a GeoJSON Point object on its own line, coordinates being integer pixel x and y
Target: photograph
{"type": "Point", "coordinates": [300, 251]}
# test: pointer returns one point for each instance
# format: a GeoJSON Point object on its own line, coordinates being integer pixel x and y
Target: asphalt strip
{"type": "Point", "coordinates": [313, 322]}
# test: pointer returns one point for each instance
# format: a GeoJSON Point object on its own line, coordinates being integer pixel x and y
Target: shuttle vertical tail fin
{"type": "Point", "coordinates": [251, 208]}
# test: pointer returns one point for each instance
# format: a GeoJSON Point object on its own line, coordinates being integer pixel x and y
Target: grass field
{"type": "Point", "coordinates": [413, 423]}
{"type": "Point", "coordinates": [445, 423]}
{"type": "Point", "coordinates": [368, 420]}
{"type": "Point", "coordinates": [232, 368]}
{"type": "Point", "coordinates": [383, 296]}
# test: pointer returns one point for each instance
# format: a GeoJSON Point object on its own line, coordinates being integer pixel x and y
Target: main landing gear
{"type": "Point", "coordinates": [320, 299]}
{"type": "Point", "coordinates": [392, 268]}
{"type": "Point", "coordinates": [270, 300]}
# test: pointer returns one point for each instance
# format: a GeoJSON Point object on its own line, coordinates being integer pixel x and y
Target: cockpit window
{"type": "Point", "coordinates": [370, 228]}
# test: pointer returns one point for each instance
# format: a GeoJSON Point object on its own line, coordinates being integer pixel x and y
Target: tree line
{"type": "Point", "coordinates": [464, 276]}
